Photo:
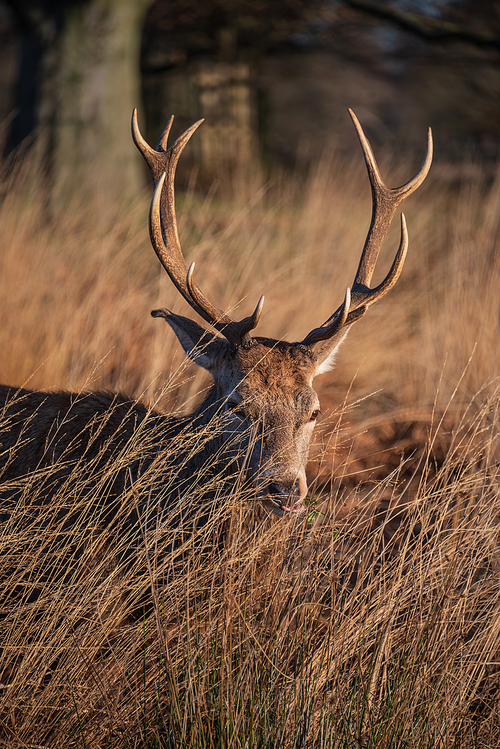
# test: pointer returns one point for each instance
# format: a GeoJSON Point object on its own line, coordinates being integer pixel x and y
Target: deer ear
{"type": "Point", "coordinates": [326, 352]}
{"type": "Point", "coordinates": [201, 346]}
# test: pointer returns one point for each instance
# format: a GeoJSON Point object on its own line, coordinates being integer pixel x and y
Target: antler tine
{"type": "Point", "coordinates": [385, 201]}
{"type": "Point", "coordinates": [243, 327]}
{"type": "Point", "coordinates": [170, 256]}
{"type": "Point", "coordinates": [142, 145]}
{"type": "Point", "coordinates": [327, 331]}
{"type": "Point", "coordinates": [162, 159]}
{"type": "Point", "coordinates": [165, 238]}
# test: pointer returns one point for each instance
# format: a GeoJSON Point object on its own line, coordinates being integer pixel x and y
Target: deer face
{"type": "Point", "coordinates": [270, 397]}
{"type": "Point", "coordinates": [268, 404]}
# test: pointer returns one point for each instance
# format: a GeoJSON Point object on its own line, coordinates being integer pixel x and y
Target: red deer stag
{"type": "Point", "coordinates": [262, 390]}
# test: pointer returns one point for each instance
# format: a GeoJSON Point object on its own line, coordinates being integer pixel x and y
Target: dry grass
{"type": "Point", "coordinates": [372, 622]}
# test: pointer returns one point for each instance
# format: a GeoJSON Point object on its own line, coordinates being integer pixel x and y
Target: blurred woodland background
{"type": "Point", "coordinates": [273, 78]}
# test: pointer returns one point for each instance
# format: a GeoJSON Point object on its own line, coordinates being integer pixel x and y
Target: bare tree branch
{"type": "Point", "coordinates": [431, 29]}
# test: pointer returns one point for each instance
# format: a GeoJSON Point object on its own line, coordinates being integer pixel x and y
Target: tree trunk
{"type": "Point", "coordinates": [88, 83]}
{"type": "Point", "coordinates": [224, 94]}
{"type": "Point", "coordinates": [226, 101]}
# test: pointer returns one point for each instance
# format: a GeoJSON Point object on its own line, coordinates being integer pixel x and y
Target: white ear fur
{"type": "Point", "coordinates": [327, 363]}
{"type": "Point", "coordinates": [326, 355]}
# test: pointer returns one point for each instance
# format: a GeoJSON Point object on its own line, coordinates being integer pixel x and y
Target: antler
{"type": "Point", "coordinates": [385, 202]}
{"type": "Point", "coordinates": [165, 239]}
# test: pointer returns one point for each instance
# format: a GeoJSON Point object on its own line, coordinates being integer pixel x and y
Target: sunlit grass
{"type": "Point", "coordinates": [373, 621]}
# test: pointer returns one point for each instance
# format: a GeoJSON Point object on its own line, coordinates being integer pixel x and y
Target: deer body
{"type": "Point", "coordinates": [266, 387]}
{"type": "Point", "coordinates": [262, 396]}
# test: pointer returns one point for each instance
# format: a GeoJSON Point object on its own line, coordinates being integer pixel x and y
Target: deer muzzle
{"type": "Point", "coordinates": [285, 498]}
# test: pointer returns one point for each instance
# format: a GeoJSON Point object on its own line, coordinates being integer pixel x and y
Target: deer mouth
{"type": "Point", "coordinates": [295, 509]}
{"type": "Point", "coordinates": [283, 497]}
{"type": "Point", "coordinates": [283, 505]}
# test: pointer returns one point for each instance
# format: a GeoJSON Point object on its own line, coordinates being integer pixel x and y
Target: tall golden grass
{"type": "Point", "coordinates": [373, 621]}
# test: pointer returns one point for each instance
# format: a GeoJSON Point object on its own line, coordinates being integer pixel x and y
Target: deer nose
{"type": "Point", "coordinates": [281, 492]}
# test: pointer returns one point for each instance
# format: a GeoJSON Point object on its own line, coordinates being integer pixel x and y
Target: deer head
{"type": "Point", "coordinates": [264, 385]}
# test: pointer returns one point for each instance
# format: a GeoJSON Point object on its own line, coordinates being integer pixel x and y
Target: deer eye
{"type": "Point", "coordinates": [315, 414]}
